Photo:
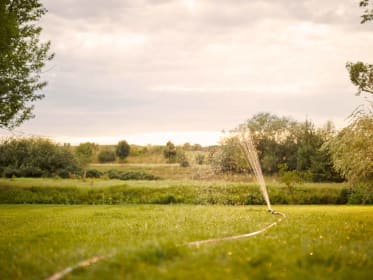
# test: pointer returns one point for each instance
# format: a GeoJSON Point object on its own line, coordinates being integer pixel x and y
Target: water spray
{"type": "Point", "coordinates": [249, 149]}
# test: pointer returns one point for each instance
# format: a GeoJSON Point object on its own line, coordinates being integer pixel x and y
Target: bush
{"type": "Point", "coordinates": [113, 174]}
{"type": "Point", "coordinates": [63, 173]}
{"type": "Point", "coordinates": [182, 159]}
{"type": "Point", "coordinates": [106, 156]}
{"type": "Point", "coordinates": [133, 175]}
{"type": "Point", "coordinates": [11, 172]}
{"type": "Point", "coordinates": [34, 157]}
{"type": "Point", "coordinates": [93, 173]}
{"type": "Point", "coordinates": [34, 172]}
{"type": "Point", "coordinates": [130, 175]}
{"type": "Point", "coordinates": [200, 159]}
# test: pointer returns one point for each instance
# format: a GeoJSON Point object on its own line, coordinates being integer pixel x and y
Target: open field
{"type": "Point", "coordinates": [147, 242]}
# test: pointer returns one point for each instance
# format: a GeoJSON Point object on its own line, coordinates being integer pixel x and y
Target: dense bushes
{"type": "Point", "coordinates": [35, 157]}
{"type": "Point", "coordinates": [130, 175]}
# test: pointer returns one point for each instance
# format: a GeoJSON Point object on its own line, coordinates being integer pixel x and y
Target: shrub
{"type": "Point", "coordinates": [106, 156]}
{"type": "Point", "coordinates": [133, 175]}
{"type": "Point", "coordinates": [113, 174]}
{"type": "Point", "coordinates": [34, 157]}
{"type": "Point", "coordinates": [93, 173]}
{"type": "Point", "coordinates": [182, 159]}
{"type": "Point", "coordinates": [130, 175]}
{"type": "Point", "coordinates": [200, 159]}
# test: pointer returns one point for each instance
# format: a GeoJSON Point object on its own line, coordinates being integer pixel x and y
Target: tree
{"type": "Point", "coordinates": [122, 150]}
{"type": "Point", "coordinates": [352, 150]}
{"type": "Point", "coordinates": [229, 157]}
{"type": "Point", "coordinates": [361, 74]}
{"type": "Point", "coordinates": [170, 152]}
{"type": "Point", "coordinates": [84, 153]}
{"type": "Point", "coordinates": [22, 58]}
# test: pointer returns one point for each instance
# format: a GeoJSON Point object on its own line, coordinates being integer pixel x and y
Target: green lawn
{"type": "Point", "coordinates": [148, 242]}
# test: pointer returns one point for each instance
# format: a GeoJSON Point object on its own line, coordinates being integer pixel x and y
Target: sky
{"type": "Point", "coordinates": [149, 71]}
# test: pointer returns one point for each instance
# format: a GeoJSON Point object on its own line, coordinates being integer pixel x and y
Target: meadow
{"type": "Point", "coordinates": [149, 242]}
{"type": "Point", "coordinates": [141, 228]}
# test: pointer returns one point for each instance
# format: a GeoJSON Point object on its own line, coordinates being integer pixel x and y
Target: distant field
{"type": "Point", "coordinates": [147, 242]}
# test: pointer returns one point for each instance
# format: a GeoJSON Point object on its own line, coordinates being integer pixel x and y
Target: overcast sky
{"type": "Point", "coordinates": [152, 70]}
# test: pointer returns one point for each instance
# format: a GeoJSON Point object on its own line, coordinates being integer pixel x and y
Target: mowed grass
{"type": "Point", "coordinates": [149, 242]}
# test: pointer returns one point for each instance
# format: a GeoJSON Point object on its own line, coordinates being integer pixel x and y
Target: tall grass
{"type": "Point", "coordinates": [93, 191]}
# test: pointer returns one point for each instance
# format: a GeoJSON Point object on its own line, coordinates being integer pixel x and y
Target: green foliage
{"type": "Point", "coordinates": [106, 156]}
{"type": "Point", "coordinates": [229, 158]}
{"type": "Point", "coordinates": [281, 141]}
{"type": "Point", "coordinates": [93, 173]}
{"type": "Point", "coordinates": [361, 75]}
{"type": "Point", "coordinates": [170, 152]}
{"type": "Point", "coordinates": [368, 13]}
{"type": "Point", "coordinates": [85, 153]}
{"type": "Point", "coordinates": [123, 149]}
{"type": "Point", "coordinates": [352, 150]}
{"type": "Point", "coordinates": [35, 157]}
{"type": "Point", "coordinates": [292, 178]}
{"type": "Point", "coordinates": [182, 158]}
{"type": "Point", "coordinates": [130, 175]}
{"type": "Point", "coordinates": [22, 58]}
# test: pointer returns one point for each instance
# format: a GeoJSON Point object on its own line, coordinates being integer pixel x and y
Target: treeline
{"type": "Point", "coordinates": [283, 144]}
{"type": "Point", "coordinates": [39, 157]}
{"type": "Point", "coordinates": [298, 151]}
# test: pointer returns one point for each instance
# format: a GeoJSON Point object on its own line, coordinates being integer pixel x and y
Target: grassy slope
{"type": "Point", "coordinates": [314, 242]}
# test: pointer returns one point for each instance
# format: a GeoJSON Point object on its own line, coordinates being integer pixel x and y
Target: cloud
{"type": "Point", "coordinates": [139, 66]}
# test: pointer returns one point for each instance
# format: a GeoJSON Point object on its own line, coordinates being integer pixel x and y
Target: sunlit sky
{"type": "Point", "coordinates": [184, 70]}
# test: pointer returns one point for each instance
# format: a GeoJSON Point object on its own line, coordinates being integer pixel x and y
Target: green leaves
{"type": "Point", "coordinates": [352, 150]}
{"type": "Point", "coordinates": [361, 75]}
{"type": "Point", "coordinates": [368, 13]}
{"type": "Point", "coordinates": [22, 57]}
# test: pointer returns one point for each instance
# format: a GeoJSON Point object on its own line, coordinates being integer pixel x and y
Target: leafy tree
{"type": "Point", "coordinates": [352, 150]}
{"type": "Point", "coordinates": [85, 153]}
{"type": "Point", "coordinates": [122, 150]}
{"type": "Point", "coordinates": [22, 57]}
{"type": "Point", "coordinates": [170, 152]}
{"type": "Point", "coordinates": [361, 74]}
{"type": "Point", "coordinates": [275, 140]}
{"type": "Point", "coordinates": [106, 156]}
{"type": "Point", "coordinates": [229, 158]}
